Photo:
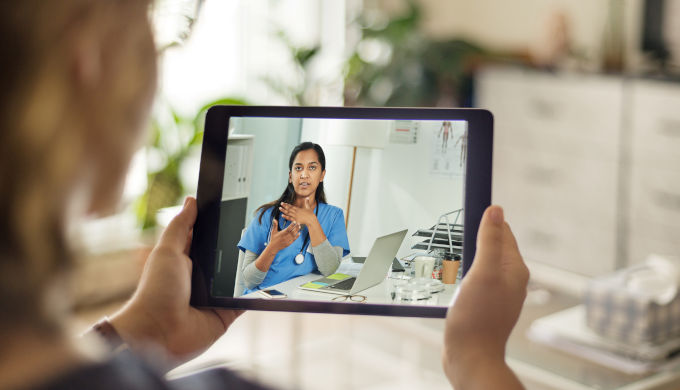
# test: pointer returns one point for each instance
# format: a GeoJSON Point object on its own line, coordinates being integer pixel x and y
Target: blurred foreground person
{"type": "Point", "coordinates": [79, 78]}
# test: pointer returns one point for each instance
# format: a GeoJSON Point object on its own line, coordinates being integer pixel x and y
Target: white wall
{"type": "Point", "coordinates": [393, 187]}
{"type": "Point", "coordinates": [514, 23]}
{"type": "Point", "coordinates": [274, 140]}
{"type": "Point", "coordinates": [338, 162]}
{"type": "Point", "coordinates": [234, 47]}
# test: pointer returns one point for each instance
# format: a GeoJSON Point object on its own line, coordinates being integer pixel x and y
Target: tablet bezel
{"type": "Point", "coordinates": [211, 175]}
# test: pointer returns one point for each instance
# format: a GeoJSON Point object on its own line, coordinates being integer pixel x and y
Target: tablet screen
{"type": "Point", "coordinates": [354, 211]}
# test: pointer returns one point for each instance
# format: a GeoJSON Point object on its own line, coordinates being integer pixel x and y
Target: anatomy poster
{"type": "Point", "coordinates": [449, 148]}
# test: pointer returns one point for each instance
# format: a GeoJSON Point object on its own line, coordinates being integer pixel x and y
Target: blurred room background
{"type": "Point", "coordinates": [585, 96]}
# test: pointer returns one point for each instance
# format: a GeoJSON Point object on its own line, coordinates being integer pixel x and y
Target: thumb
{"type": "Point", "coordinates": [490, 238]}
{"type": "Point", "coordinates": [179, 229]}
{"type": "Point", "coordinates": [275, 225]}
{"type": "Point", "coordinates": [307, 205]}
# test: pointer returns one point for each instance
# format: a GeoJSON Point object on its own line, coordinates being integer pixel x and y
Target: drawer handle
{"type": "Point", "coordinates": [541, 175]}
{"type": "Point", "coordinates": [541, 239]}
{"type": "Point", "coordinates": [667, 200]}
{"type": "Point", "coordinates": [670, 128]}
{"type": "Point", "coordinates": [544, 109]}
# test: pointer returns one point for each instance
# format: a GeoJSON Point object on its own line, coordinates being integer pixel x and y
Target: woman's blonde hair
{"type": "Point", "coordinates": [50, 123]}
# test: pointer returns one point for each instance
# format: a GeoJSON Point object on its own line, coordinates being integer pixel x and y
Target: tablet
{"type": "Point", "coordinates": [317, 202]}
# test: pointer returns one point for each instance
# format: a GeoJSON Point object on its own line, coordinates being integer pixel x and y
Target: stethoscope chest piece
{"type": "Point", "coordinates": [299, 258]}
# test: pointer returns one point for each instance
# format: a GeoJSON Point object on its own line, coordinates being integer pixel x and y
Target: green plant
{"type": "Point", "coordinates": [296, 89]}
{"type": "Point", "coordinates": [414, 70]}
{"type": "Point", "coordinates": [173, 138]}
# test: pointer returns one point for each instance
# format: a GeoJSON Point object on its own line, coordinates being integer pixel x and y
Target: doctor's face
{"type": "Point", "coordinates": [306, 173]}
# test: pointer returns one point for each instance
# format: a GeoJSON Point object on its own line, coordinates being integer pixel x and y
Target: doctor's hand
{"type": "Point", "coordinates": [485, 310]}
{"type": "Point", "coordinates": [159, 312]}
{"type": "Point", "coordinates": [281, 239]}
{"type": "Point", "coordinates": [302, 215]}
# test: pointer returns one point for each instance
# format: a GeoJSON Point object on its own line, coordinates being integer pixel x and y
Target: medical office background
{"type": "Point", "coordinates": [586, 159]}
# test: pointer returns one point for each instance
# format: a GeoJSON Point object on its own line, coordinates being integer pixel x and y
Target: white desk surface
{"type": "Point", "coordinates": [378, 294]}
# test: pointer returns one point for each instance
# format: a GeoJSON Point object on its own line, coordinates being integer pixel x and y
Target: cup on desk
{"type": "Point", "coordinates": [423, 266]}
{"type": "Point", "coordinates": [450, 271]}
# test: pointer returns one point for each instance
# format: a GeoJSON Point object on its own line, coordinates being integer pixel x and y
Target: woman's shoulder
{"type": "Point", "coordinates": [264, 214]}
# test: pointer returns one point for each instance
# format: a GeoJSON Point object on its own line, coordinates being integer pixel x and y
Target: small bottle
{"type": "Point", "coordinates": [437, 272]}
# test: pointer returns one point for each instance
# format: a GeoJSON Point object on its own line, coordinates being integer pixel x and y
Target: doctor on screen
{"type": "Point", "coordinates": [297, 233]}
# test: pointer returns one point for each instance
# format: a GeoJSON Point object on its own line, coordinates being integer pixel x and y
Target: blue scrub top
{"type": "Point", "coordinates": [283, 267]}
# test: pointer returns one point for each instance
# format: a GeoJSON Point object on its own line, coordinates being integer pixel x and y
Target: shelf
{"type": "Point", "coordinates": [424, 245]}
{"type": "Point", "coordinates": [455, 236]}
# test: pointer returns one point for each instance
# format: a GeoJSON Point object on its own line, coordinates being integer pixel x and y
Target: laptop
{"type": "Point", "coordinates": [374, 270]}
{"type": "Point", "coordinates": [396, 264]}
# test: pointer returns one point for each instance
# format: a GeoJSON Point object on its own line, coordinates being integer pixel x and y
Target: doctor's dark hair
{"type": "Point", "coordinates": [288, 195]}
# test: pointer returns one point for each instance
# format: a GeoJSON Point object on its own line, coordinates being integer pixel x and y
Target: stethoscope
{"type": "Point", "coordinates": [300, 257]}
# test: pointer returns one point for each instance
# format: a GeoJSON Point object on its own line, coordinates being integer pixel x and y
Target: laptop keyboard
{"type": "Point", "coordinates": [344, 285]}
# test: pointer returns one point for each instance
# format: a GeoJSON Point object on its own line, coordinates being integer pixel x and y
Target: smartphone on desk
{"type": "Point", "coordinates": [273, 294]}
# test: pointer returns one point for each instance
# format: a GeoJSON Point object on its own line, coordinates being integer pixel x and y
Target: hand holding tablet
{"type": "Point", "coordinates": [475, 339]}
{"type": "Point", "coordinates": [497, 278]}
{"type": "Point", "coordinates": [160, 315]}
{"type": "Point", "coordinates": [496, 282]}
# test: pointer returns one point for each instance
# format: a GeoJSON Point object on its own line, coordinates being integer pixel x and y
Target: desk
{"type": "Point", "coordinates": [378, 294]}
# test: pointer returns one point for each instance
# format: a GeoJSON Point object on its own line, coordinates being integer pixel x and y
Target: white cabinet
{"type": "Point", "coordinates": [654, 213]}
{"type": "Point", "coordinates": [556, 164]}
{"type": "Point", "coordinates": [238, 166]}
{"type": "Point", "coordinates": [656, 124]}
{"type": "Point", "coordinates": [587, 167]}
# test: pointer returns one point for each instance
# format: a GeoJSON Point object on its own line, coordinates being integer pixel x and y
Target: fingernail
{"type": "Point", "coordinates": [186, 202]}
{"type": "Point", "coordinates": [496, 215]}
